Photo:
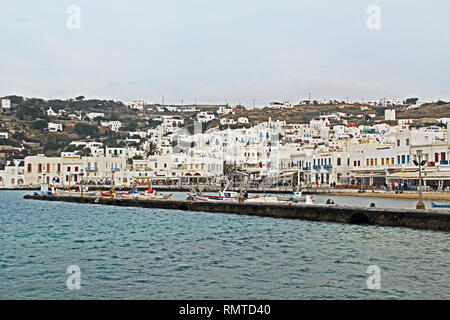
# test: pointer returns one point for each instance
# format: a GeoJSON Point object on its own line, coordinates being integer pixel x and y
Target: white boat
{"type": "Point", "coordinates": [296, 197]}
{"type": "Point", "coordinates": [76, 193]}
{"type": "Point", "coordinates": [266, 198]}
{"type": "Point", "coordinates": [222, 195]}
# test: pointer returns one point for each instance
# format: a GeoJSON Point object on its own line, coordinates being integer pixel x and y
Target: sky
{"type": "Point", "coordinates": [234, 51]}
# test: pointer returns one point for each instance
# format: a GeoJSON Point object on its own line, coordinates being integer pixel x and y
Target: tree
{"type": "Point", "coordinates": [40, 124]}
{"type": "Point", "coordinates": [85, 129]}
{"type": "Point", "coordinates": [411, 100]}
{"type": "Point", "coordinates": [80, 98]}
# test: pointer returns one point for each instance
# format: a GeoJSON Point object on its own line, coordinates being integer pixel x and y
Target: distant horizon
{"type": "Point", "coordinates": [200, 103]}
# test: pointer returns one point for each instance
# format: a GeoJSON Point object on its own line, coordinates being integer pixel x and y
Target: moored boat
{"type": "Point", "coordinates": [222, 195]}
{"type": "Point", "coordinates": [149, 193]}
{"type": "Point", "coordinates": [266, 198]}
{"type": "Point", "coordinates": [76, 193]}
{"type": "Point", "coordinates": [440, 205]}
{"type": "Point", "coordinates": [296, 196]}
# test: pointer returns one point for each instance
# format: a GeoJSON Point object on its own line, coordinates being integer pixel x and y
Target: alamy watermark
{"type": "Point", "coordinates": [74, 280]}
{"type": "Point", "coordinates": [374, 20]}
{"type": "Point", "coordinates": [73, 21]}
{"type": "Point", "coordinates": [374, 280]}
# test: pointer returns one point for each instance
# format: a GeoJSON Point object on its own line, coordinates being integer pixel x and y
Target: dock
{"type": "Point", "coordinates": [417, 219]}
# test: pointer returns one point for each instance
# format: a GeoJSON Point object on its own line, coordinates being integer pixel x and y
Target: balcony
{"type": "Point", "coordinates": [444, 162]}
{"type": "Point", "coordinates": [306, 168]}
{"type": "Point", "coordinates": [91, 168]}
{"type": "Point", "coordinates": [328, 166]}
{"type": "Point", "coordinates": [316, 167]}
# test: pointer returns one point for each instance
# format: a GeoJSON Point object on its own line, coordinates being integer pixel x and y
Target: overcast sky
{"type": "Point", "coordinates": [237, 50]}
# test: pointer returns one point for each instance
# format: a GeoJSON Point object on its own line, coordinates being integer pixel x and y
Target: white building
{"type": "Point", "coordinates": [205, 116]}
{"type": "Point", "coordinates": [226, 121]}
{"type": "Point", "coordinates": [12, 176]}
{"type": "Point", "coordinates": [51, 113]}
{"type": "Point", "coordinates": [114, 125]}
{"type": "Point", "coordinates": [6, 103]}
{"type": "Point", "coordinates": [3, 135]}
{"type": "Point", "coordinates": [92, 115]}
{"type": "Point", "coordinates": [69, 170]}
{"type": "Point", "coordinates": [389, 114]}
{"type": "Point", "coordinates": [55, 127]}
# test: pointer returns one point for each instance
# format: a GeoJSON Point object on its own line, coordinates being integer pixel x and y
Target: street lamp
{"type": "Point", "coordinates": [420, 162]}
{"type": "Point", "coordinates": [81, 182]}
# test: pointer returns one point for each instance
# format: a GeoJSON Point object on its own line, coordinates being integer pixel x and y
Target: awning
{"type": "Point", "coordinates": [430, 175]}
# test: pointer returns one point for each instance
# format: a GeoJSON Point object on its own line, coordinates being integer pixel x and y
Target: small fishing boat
{"type": "Point", "coordinates": [76, 193]}
{"type": "Point", "coordinates": [440, 205]}
{"type": "Point", "coordinates": [222, 195]}
{"type": "Point", "coordinates": [147, 194]}
{"type": "Point", "coordinates": [108, 195]}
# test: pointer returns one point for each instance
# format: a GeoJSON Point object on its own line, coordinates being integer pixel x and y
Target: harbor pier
{"type": "Point", "coordinates": [410, 218]}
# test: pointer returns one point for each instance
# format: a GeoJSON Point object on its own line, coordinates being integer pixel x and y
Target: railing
{"type": "Point", "coordinates": [316, 167]}
{"type": "Point", "coordinates": [328, 166]}
{"type": "Point", "coordinates": [306, 168]}
{"type": "Point", "coordinates": [444, 162]}
{"type": "Point", "coordinates": [91, 168]}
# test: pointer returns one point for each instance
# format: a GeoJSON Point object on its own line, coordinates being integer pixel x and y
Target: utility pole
{"type": "Point", "coordinates": [162, 100]}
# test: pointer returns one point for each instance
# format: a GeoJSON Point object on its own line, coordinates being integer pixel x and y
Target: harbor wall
{"type": "Point", "coordinates": [419, 219]}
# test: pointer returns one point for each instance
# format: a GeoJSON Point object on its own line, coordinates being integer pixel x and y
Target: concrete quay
{"type": "Point", "coordinates": [418, 219]}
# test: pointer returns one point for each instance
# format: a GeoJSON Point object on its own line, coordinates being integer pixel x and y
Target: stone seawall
{"type": "Point", "coordinates": [419, 219]}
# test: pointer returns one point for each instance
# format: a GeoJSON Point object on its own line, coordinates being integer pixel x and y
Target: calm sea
{"type": "Point", "coordinates": [138, 253]}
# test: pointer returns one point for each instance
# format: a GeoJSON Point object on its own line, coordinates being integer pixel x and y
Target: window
{"type": "Point", "coordinates": [407, 142]}
{"type": "Point", "coordinates": [376, 161]}
{"type": "Point", "coordinates": [68, 169]}
{"type": "Point", "coordinates": [338, 161]}
{"type": "Point", "coordinates": [398, 143]}
{"type": "Point", "coordinates": [48, 167]}
{"type": "Point", "coordinates": [403, 159]}
{"type": "Point", "coordinates": [367, 162]}
{"type": "Point", "coordinates": [59, 167]}
{"type": "Point", "coordinates": [76, 169]}
{"type": "Point", "coordinates": [40, 167]}
{"type": "Point", "coordinates": [398, 159]}
{"type": "Point", "coordinates": [382, 161]}
{"type": "Point", "coordinates": [29, 167]}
